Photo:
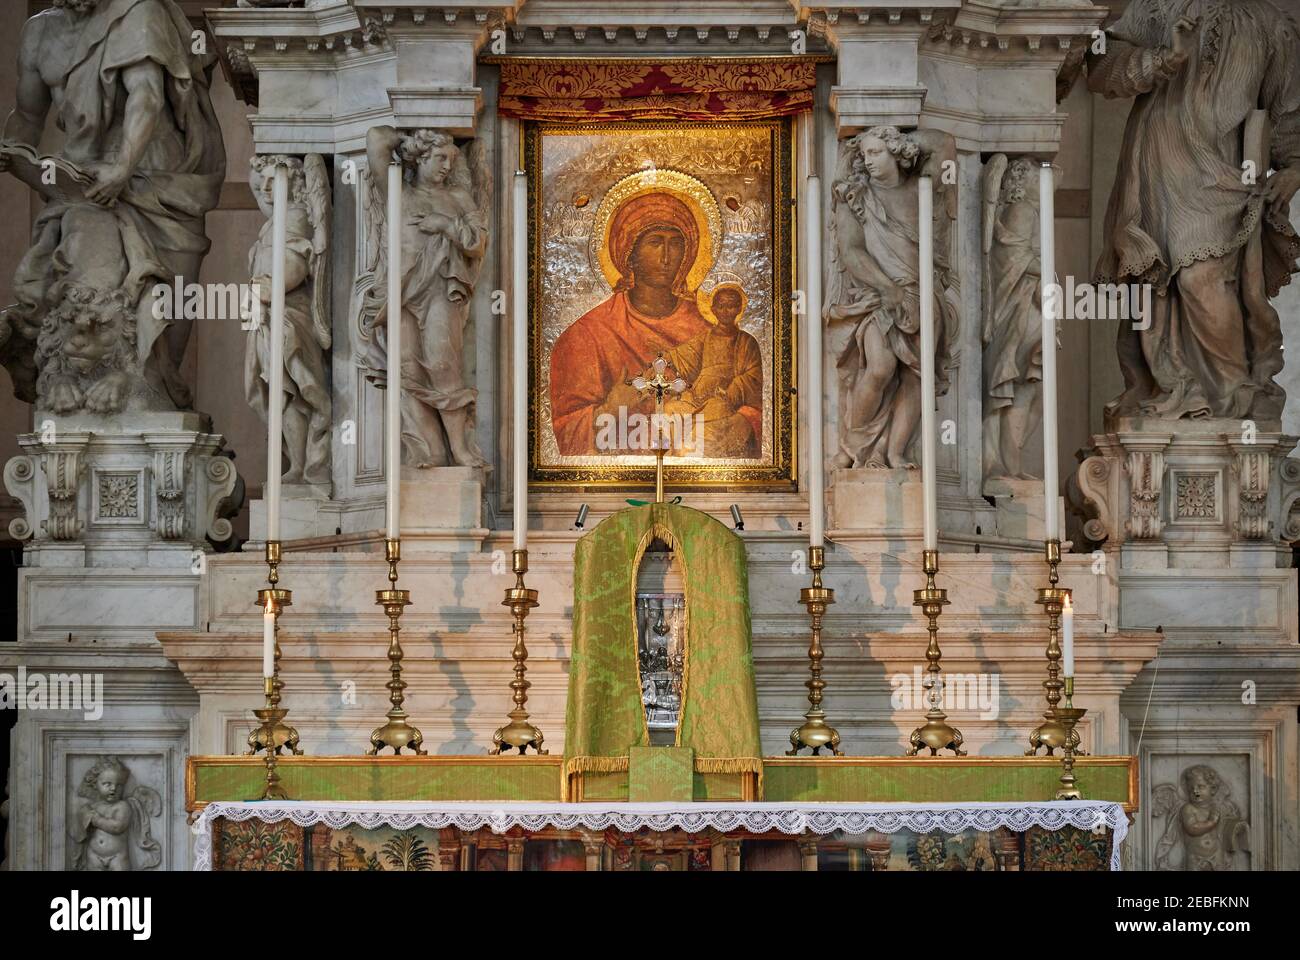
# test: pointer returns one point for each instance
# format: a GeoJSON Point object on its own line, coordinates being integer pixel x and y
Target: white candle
{"type": "Point", "coordinates": [816, 455]}
{"type": "Point", "coordinates": [268, 641]}
{"type": "Point", "coordinates": [1047, 241]}
{"type": "Point", "coordinates": [1067, 627]}
{"type": "Point", "coordinates": [275, 375]}
{"type": "Point", "coordinates": [929, 438]}
{"type": "Point", "coordinates": [393, 397]}
{"type": "Point", "coordinates": [519, 357]}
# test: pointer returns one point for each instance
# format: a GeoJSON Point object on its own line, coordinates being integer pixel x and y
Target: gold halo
{"type": "Point", "coordinates": [704, 298]}
{"type": "Point", "coordinates": [698, 199]}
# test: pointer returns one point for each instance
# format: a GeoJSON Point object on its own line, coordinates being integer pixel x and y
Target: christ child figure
{"type": "Point", "coordinates": [724, 367]}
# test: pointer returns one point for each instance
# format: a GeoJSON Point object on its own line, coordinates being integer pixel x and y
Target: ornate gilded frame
{"type": "Point", "coordinates": [782, 473]}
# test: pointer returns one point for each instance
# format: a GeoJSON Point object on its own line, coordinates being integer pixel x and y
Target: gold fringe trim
{"type": "Point", "coordinates": [739, 765]}
{"type": "Point", "coordinates": [728, 765]}
{"type": "Point", "coordinates": [735, 765]}
{"type": "Point", "coordinates": [595, 765]}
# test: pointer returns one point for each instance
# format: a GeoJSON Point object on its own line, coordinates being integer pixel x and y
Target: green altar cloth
{"type": "Point", "coordinates": [719, 713]}
{"type": "Point", "coordinates": [437, 779]}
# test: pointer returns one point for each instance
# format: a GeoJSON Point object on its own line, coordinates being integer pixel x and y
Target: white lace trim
{"type": "Point", "coordinates": [820, 818]}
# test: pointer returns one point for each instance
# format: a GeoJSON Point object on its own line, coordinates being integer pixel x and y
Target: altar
{"type": "Point", "coordinates": [516, 436]}
{"type": "Point", "coordinates": [665, 836]}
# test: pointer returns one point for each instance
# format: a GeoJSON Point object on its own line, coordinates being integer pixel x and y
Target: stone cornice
{"type": "Point", "coordinates": [425, 55]}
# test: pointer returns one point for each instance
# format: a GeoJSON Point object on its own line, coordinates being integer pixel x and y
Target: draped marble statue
{"type": "Point", "coordinates": [141, 165]}
{"type": "Point", "coordinates": [873, 295]}
{"type": "Point", "coordinates": [446, 199]}
{"type": "Point", "coordinates": [1012, 332]}
{"type": "Point", "coordinates": [1218, 103]}
{"type": "Point", "coordinates": [306, 313]}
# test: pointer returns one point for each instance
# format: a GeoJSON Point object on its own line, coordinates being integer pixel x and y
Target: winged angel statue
{"type": "Point", "coordinates": [110, 824]}
{"type": "Point", "coordinates": [1012, 330]}
{"type": "Point", "coordinates": [306, 313]}
{"type": "Point", "coordinates": [446, 203]}
{"type": "Point", "coordinates": [873, 302]}
{"type": "Point", "coordinates": [1203, 816]}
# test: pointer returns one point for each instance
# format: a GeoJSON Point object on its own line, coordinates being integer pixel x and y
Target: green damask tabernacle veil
{"type": "Point", "coordinates": [719, 716]}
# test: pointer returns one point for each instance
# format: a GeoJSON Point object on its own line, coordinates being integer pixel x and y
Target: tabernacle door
{"type": "Point", "coordinates": [606, 713]}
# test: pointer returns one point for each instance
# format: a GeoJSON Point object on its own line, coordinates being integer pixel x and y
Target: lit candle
{"type": "Point", "coordinates": [519, 357]}
{"type": "Point", "coordinates": [816, 455]}
{"type": "Point", "coordinates": [393, 397]}
{"type": "Point", "coordinates": [1047, 242]}
{"type": "Point", "coordinates": [268, 641]}
{"type": "Point", "coordinates": [275, 375]}
{"type": "Point", "coordinates": [929, 438]}
{"type": "Point", "coordinates": [1067, 629]}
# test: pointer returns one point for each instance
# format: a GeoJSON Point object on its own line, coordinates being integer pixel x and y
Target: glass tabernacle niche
{"type": "Point", "coordinates": [661, 642]}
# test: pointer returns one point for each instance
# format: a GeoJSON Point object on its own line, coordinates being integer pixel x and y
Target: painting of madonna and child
{"type": "Point", "coordinates": [661, 250]}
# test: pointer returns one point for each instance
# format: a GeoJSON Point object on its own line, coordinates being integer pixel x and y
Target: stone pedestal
{"type": "Point", "coordinates": [888, 505]}
{"type": "Point", "coordinates": [119, 520]}
{"type": "Point", "coordinates": [1020, 509]}
{"type": "Point", "coordinates": [99, 492]}
{"type": "Point", "coordinates": [1200, 492]}
{"type": "Point", "coordinates": [886, 502]}
{"type": "Point", "coordinates": [1196, 515]}
{"type": "Point", "coordinates": [442, 509]}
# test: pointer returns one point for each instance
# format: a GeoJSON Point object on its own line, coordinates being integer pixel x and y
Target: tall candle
{"type": "Point", "coordinates": [275, 375]}
{"type": "Point", "coordinates": [813, 306]}
{"type": "Point", "coordinates": [1067, 627]}
{"type": "Point", "coordinates": [1047, 242]}
{"type": "Point", "coordinates": [519, 357]}
{"type": "Point", "coordinates": [268, 641]}
{"type": "Point", "coordinates": [393, 396]}
{"type": "Point", "coordinates": [929, 436]}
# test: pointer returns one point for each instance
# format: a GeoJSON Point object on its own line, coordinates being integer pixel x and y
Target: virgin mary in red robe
{"type": "Point", "coordinates": [615, 341]}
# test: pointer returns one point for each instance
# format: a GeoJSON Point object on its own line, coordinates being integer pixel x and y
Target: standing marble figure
{"type": "Point", "coordinates": [873, 297]}
{"type": "Point", "coordinates": [1192, 213]}
{"type": "Point", "coordinates": [132, 100]}
{"type": "Point", "coordinates": [446, 199]}
{"type": "Point", "coordinates": [306, 401]}
{"type": "Point", "coordinates": [1012, 331]}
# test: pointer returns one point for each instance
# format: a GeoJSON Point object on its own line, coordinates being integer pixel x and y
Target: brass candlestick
{"type": "Point", "coordinates": [271, 718]}
{"type": "Point", "coordinates": [1069, 715]}
{"type": "Point", "coordinates": [277, 734]}
{"type": "Point", "coordinates": [936, 733]}
{"type": "Point", "coordinates": [815, 733]}
{"type": "Point", "coordinates": [397, 732]}
{"type": "Point", "coordinates": [1051, 733]}
{"type": "Point", "coordinates": [519, 732]}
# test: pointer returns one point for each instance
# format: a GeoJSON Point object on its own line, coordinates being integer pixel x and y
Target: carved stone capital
{"type": "Point", "coordinates": [1146, 470]}
{"type": "Point", "coordinates": [64, 471]}
{"type": "Point", "coordinates": [1251, 472]}
{"type": "Point", "coordinates": [169, 468]}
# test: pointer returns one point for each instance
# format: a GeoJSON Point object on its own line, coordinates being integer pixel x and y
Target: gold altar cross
{"type": "Point", "coordinates": [657, 382]}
